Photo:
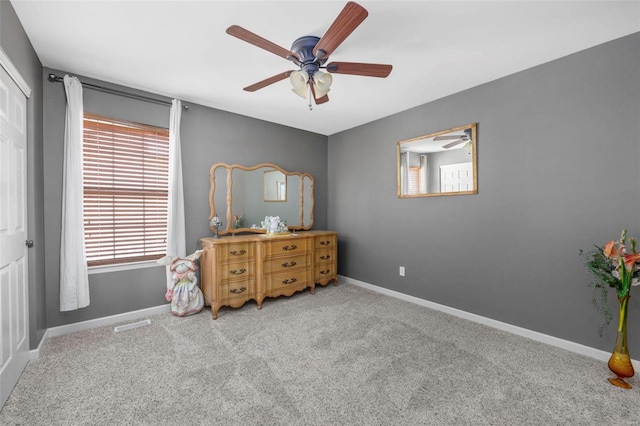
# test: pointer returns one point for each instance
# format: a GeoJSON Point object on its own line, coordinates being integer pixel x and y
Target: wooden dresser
{"type": "Point", "coordinates": [236, 269]}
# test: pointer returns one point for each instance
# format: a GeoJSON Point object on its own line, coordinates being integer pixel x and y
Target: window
{"type": "Point", "coordinates": [414, 181]}
{"type": "Point", "coordinates": [126, 183]}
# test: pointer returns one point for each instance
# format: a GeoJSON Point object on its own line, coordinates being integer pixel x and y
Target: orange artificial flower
{"type": "Point", "coordinates": [630, 260]}
{"type": "Point", "coordinates": [610, 250]}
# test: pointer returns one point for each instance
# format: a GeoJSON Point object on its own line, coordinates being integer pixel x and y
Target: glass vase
{"type": "Point", "coordinates": [620, 361]}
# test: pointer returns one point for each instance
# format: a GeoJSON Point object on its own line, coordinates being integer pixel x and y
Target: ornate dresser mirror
{"type": "Point", "coordinates": [242, 196]}
{"type": "Point", "coordinates": [437, 164]}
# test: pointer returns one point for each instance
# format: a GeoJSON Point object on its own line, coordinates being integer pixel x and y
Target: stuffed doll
{"type": "Point", "coordinates": [183, 292]}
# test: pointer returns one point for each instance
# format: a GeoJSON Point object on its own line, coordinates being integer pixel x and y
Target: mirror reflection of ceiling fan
{"type": "Point", "coordinates": [310, 53]}
{"type": "Point", "coordinates": [455, 139]}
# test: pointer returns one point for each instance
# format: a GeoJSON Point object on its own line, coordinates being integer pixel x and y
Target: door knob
{"type": "Point", "coordinates": [29, 243]}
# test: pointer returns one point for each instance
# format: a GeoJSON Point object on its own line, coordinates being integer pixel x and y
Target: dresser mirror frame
{"type": "Point", "coordinates": [453, 148]}
{"type": "Point", "coordinates": [296, 209]}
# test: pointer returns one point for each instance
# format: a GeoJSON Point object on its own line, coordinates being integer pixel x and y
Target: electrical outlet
{"type": "Point", "coordinates": [401, 271]}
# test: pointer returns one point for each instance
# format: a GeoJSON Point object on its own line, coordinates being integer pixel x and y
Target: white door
{"type": "Point", "coordinates": [14, 300]}
{"type": "Point", "coordinates": [456, 177]}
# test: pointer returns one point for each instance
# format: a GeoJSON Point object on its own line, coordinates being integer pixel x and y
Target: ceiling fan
{"type": "Point", "coordinates": [455, 139]}
{"type": "Point", "coordinates": [310, 53]}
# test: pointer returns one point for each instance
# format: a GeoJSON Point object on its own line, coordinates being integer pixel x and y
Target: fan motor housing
{"type": "Point", "coordinates": [303, 47]}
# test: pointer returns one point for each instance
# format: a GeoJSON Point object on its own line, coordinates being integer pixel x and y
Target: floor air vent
{"type": "Point", "coordinates": [126, 327]}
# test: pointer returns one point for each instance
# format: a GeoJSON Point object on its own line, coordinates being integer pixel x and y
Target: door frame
{"type": "Point", "coordinates": [15, 75]}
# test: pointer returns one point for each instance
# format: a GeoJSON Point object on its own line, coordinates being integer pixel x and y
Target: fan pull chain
{"type": "Point", "coordinates": [310, 97]}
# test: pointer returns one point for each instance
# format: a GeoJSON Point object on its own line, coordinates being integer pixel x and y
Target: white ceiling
{"type": "Point", "coordinates": [180, 48]}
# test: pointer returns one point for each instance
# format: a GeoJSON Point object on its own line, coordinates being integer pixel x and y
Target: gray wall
{"type": "Point", "coordinates": [17, 46]}
{"type": "Point", "coordinates": [558, 170]}
{"type": "Point", "coordinates": [208, 136]}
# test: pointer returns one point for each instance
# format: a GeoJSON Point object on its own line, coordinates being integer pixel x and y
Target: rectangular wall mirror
{"type": "Point", "coordinates": [440, 163]}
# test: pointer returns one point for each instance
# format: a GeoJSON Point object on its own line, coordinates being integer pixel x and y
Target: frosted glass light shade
{"type": "Point", "coordinates": [322, 83]}
{"type": "Point", "coordinates": [302, 92]}
{"type": "Point", "coordinates": [298, 79]}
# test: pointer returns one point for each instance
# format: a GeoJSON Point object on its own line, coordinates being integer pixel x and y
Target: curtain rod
{"type": "Point", "coordinates": [55, 78]}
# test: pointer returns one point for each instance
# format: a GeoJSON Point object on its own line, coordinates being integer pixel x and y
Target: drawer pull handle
{"type": "Point", "coordinates": [325, 257]}
{"type": "Point", "coordinates": [325, 272]}
{"type": "Point", "coordinates": [325, 243]}
{"type": "Point", "coordinates": [291, 247]}
{"type": "Point", "coordinates": [238, 271]}
{"type": "Point", "coordinates": [289, 281]}
{"type": "Point", "coordinates": [238, 290]}
{"type": "Point", "coordinates": [289, 264]}
{"type": "Point", "coordinates": [238, 252]}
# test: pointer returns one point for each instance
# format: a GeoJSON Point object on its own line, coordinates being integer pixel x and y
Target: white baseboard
{"type": "Point", "coordinates": [98, 322]}
{"type": "Point", "coordinates": [534, 335]}
{"type": "Point", "coordinates": [35, 353]}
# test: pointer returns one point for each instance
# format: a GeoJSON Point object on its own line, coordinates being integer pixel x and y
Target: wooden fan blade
{"type": "Point", "coordinates": [452, 144]}
{"type": "Point", "coordinates": [263, 43]}
{"type": "Point", "coordinates": [448, 137]}
{"type": "Point", "coordinates": [356, 68]}
{"type": "Point", "coordinates": [321, 99]}
{"type": "Point", "coordinates": [348, 20]}
{"type": "Point", "coordinates": [267, 81]}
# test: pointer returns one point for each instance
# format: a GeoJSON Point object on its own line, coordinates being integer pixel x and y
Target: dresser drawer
{"type": "Point", "coordinates": [289, 279]}
{"type": "Point", "coordinates": [325, 272]}
{"type": "Point", "coordinates": [236, 270]}
{"type": "Point", "coordinates": [285, 247]}
{"type": "Point", "coordinates": [286, 263]}
{"type": "Point", "coordinates": [236, 292]}
{"type": "Point", "coordinates": [236, 251]}
{"type": "Point", "coordinates": [325, 242]}
{"type": "Point", "coordinates": [323, 257]}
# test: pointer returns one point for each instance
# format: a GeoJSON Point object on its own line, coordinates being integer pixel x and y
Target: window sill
{"type": "Point", "coordinates": [123, 267]}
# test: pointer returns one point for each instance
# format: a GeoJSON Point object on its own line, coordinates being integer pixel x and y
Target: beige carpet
{"type": "Point", "coordinates": [344, 356]}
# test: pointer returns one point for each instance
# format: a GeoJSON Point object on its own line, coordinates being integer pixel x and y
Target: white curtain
{"type": "Point", "coordinates": [74, 278]}
{"type": "Point", "coordinates": [176, 246]}
{"type": "Point", "coordinates": [404, 172]}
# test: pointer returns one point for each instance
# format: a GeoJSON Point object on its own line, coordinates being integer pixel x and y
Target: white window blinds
{"type": "Point", "coordinates": [126, 168]}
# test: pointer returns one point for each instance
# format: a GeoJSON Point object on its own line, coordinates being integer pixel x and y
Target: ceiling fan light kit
{"type": "Point", "coordinates": [310, 53]}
